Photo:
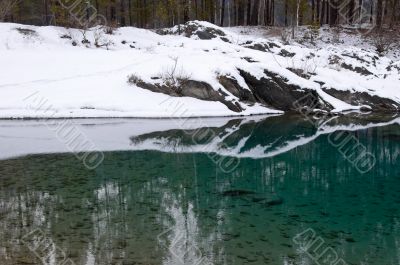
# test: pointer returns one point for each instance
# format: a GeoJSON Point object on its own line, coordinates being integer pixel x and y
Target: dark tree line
{"type": "Point", "coordinates": [165, 13]}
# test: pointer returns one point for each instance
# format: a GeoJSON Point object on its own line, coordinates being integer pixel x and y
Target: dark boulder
{"type": "Point", "coordinates": [275, 91]}
{"type": "Point", "coordinates": [192, 28]}
{"type": "Point", "coordinates": [257, 46]}
{"type": "Point", "coordinates": [361, 70]}
{"type": "Point", "coordinates": [286, 53]}
{"type": "Point", "coordinates": [362, 98]}
{"type": "Point", "coordinates": [195, 89]}
{"type": "Point", "coordinates": [230, 84]}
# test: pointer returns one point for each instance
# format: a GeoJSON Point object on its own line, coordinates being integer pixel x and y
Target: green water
{"type": "Point", "coordinates": [152, 207]}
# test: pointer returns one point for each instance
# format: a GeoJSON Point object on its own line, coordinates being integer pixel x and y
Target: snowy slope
{"type": "Point", "coordinates": [49, 72]}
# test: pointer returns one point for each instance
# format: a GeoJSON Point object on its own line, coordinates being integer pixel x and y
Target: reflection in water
{"type": "Point", "coordinates": [178, 207]}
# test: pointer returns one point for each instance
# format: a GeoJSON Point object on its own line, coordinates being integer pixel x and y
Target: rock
{"type": "Point", "coordinates": [205, 35]}
{"type": "Point", "coordinates": [199, 90]}
{"type": "Point", "coordinates": [230, 84]}
{"type": "Point", "coordinates": [260, 46]}
{"type": "Point", "coordinates": [354, 56]}
{"type": "Point", "coordinates": [273, 45]}
{"type": "Point", "coordinates": [195, 89]}
{"type": "Point", "coordinates": [249, 59]}
{"type": "Point", "coordinates": [335, 60]}
{"type": "Point", "coordinates": [27, 32]}
{"type": "Point", "coordinates": [357, 69]}
{"type": "Point", "coordinates": [394, 66]}
{"type": "Point", "coordinates": [362, 98]}
{"type": "Point", "coordinates": [300, 72]}
{"type": "Point", "coordinates": [276, 92]}
{"type": "Point", "coordinates": [286, 53]}
{"type": "Point", "coordinates": [192, 28]}
{"type": "Point", "coordinates": [257, 46]}
{"type": "Point", "coordinates": [204, 91]}
{"type": "Point", "coordinates": [225, 39]}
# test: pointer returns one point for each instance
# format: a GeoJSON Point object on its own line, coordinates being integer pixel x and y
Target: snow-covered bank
{"type": "Point", "coordinates": [52, 72]}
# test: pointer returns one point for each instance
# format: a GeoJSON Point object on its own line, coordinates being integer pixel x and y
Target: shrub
{"type": "Point", "coordinates": [100, 40]}
{"type": "Point", "coordinates": [384, 41]}
{"type": "Point", "coordinates": [285, 36]}
{"type": "Point", "coordinates": [134, 79]}
{"type": "Point", "coordinates": [173, 77]}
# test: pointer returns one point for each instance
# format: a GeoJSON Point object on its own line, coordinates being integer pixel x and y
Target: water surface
{"type": "Point", "coordinates": [167, 199]}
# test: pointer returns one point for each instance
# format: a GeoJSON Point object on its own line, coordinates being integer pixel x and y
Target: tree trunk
{"type": "Point", "coordinates": [323, 11]}
{"type": "Point", "coordinates": [222, 13]}
{"type": "Point", "coordinates": [379, 13]}
{"type": "Point", "coordinates": [122, 15]}
{"type": "Point", "coordinates": [286, 12]}
{"type": "Point", "coordinates": [394, 8]}
{"type": "Point", "coordinates": [254, 15]}
{"type": "Point", "coordinates": [248, 12]}
{"type": "Point", "coordinates": [130, 12]}
{"type": "Point", "coordinates": [272, 12]}
{"type": "Point", "coordinates": [352, 6]}
{"type": "Point", "coordinates": [186, 16]}
{"type": "Point", "coordinates": [312, 11]}
{"type": "Point", "coordinates": [241, 10]}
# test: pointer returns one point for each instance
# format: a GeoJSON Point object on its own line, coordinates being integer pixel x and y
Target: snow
{"type": "Point", "coordinates": [85, 81]}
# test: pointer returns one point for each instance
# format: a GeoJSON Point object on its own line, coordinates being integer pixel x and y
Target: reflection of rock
{"type": "Point", "coordinates": [266, 202]}
{"type": "Point", "coordinates": [236, 193]}
{"type": "Point", "coordinates": [246, 138]}
{"type": "Point", "coordinates": [278, 201]}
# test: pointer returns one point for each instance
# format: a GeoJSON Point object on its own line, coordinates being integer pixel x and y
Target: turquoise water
{"type": "Point", "coordinates": [159, 207]}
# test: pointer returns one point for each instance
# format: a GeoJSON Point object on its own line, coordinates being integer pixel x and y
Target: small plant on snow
{"type": "Point", "coordinates": [67, 35]}
{"type": "Point", "coordinates": [110, 28]}
{"type": "Point", "coordinates": [384, 41]}
{"type": "Point", "coordinates": [286, 36]}
{"type": "Point", "coordinates": [175, 77]}
{"type": "Point", "coordinates": [84, 32]}
{"type": "Point", "coordinates": [100, 40]}
{"type": "Point", "coordinates": [305, 68]}
{"type": "Point", "coordinates": [149, 49]}
{"type": "Point", "coordinates": [313, 30]}
{"type": "Point", "coordinates": [336, 34]}
{"type": "Point", "coordinates": [134, 79]}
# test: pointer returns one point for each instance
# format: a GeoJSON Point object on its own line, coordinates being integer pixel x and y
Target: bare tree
{"type": "Point", "coordinates": [379, 14]}
{"type": "Point", "coordinates": [6, 6]}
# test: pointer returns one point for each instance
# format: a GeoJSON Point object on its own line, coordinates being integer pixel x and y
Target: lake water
{"type": "Point", "coordinates": [210, 191]}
